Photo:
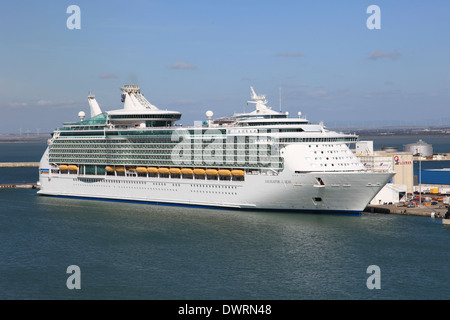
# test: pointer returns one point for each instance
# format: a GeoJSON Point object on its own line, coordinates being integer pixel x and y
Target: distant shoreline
{"type": "Point", "coordinates": [22, 141]}
{"type": "Point", "coordinates": [24, 138]}
{"type": "Point", "coordinates": [361, 133]}
{"type": "Point", "coordinates": [418, 136]}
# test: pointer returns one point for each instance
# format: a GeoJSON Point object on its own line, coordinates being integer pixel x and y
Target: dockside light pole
{"type": "Point", "coordinates": [420, 180]}
{"type": "Point", "coordinates": [420, 176]}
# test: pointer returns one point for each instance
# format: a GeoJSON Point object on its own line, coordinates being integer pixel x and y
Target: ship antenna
{"type": "Point", "coordinates": [280, 95]}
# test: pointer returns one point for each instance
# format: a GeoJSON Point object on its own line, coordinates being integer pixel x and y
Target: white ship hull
{"type": "Point", "coordinates": [260, 160]}
{"type": "Point", "coordinates": [343, 192]}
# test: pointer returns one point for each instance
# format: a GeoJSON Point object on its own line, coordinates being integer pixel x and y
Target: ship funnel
{"type": "Point", "coordinates": [133, 99]}
{"type": "Point", "coordinates": [95, 108]}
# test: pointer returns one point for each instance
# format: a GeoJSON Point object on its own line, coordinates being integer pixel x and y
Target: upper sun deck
{"type": "Point", "coordinates": [266, 120]}
{"type": "Point", "coordinates": [141, 117]}
{"type": "Point", "coordinates": [261, 116]}
{"type": "Point", "coordinates": [137, 112]}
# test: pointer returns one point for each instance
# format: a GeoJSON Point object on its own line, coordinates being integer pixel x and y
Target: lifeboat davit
{"type": "Point", "coordinates": [163, 170]}
{"type": "Point", "coordinates": [141, 169]}
{"type": "Point", "coordinates": [211, 172]}
{"type": "Point", "coordinates": [225, 173]}
{"type": "Point", "coordinates": [73, 167]}
{"type": "Point", "coordinates": [238, 173]}
{"type": "Point", "coordinates": [152, 170]}
{"type": "Point", "coordinates": [200, 172]}
{"type": "Point", "coordinates": [63, 167]}
{"type": "Point", "coordinates": [187, 171]}
{"type": "Point", "coordinates": [174, 170]}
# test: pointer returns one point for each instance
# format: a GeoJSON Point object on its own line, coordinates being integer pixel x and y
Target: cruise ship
{"type": "Point", "coordinates": [258, 160]}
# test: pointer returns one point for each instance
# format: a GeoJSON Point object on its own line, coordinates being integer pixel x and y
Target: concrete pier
{"type": "Point", "coordinates": [424, 211]}
{"type": "Point", "coordinates": [18, 164]}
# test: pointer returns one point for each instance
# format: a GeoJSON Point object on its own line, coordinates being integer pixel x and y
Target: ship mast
{"type": "Point", "coordinates": [259, 101]}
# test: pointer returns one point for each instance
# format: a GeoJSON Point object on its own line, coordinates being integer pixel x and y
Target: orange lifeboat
{"type": "Point", "coordinates": [200, 172]}
{"type": "Point", "coordinates": [152, 170]}
{"type": "Point", "coordinates": [187, 171]}
{"type": "Point", "coordinates": [73, 167]}
{"type": "Point", "coordinates": [109, 168]}
{"type": "Point", "coordinates": [141, 169]}
{"type": "Point", "coordinates": [174, 170]}
{"type": "Point", "coordinates": [120, 169]}
{"type": "Point", "coordinates": [238, 173]}
{"type": "Point", "coordinates": [211, 172]}
{"type": "Point", "coordinates": [163, 170]}
{"type": "Point", "coordinates": [63, 167]}
{"type": "Point", "coordinates": [225, 173]}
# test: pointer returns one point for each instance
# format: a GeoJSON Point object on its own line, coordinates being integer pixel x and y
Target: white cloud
{"type": "Point", "coordinates": [378, 54]}
{"type": "Point", "coordinates": [108, 76]}
{"type": "Point", "coordinates": [181, 102]}
{"type": "Point", "coordinates": [289, 54]}
{"type": "Point", "coordinates": [182, 65]}
{"type": "Point", "coordinates": [50, 103]}
{"type": "Point", "coordinates": [296, 85]}
{"type": "Point", "coordinates": [377, 94]}
{"type": "Point", "coordinates": [17, 104]}
{"type": "Point", "coordinates": [324, 94]}
{"type": "Point", "coordinates": [43, 104]}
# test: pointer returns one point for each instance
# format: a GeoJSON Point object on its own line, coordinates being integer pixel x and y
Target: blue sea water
{"type": "Point", "coordinates": [140, 251]}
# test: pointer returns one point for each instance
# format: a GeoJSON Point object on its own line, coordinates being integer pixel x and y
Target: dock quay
{"type": "Point", "coordinates": [18, 164]}
{"type": "Point", "coordinates": [434, 157]}
{"type": "Point", "coordinates": [435, 211]}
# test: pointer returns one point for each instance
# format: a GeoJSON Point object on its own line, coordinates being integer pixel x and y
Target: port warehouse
{"type": "Point", "coordinates": [404, 183]}
{"type": "Point", "coordinates": [436, 176]}
{"type": "Point", "coordinates": [435, 181]}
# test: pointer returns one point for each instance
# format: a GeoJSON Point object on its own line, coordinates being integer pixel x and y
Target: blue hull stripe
{"type": "Point", "coordinates": [338, 212]}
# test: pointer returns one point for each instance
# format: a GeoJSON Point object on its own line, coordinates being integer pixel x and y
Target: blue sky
{"type": "Point", "coordinates": [197, 55]}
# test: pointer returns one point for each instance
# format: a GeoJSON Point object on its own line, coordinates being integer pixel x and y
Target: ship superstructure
{"type": "Point", "coordinates": [258, 160]}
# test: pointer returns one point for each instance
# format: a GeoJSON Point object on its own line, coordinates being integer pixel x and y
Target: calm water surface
{"type": "Point", "coordinates": [139, 251]}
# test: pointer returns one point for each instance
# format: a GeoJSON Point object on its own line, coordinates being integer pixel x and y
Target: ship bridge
{"type": "Point", "coordinates": [261, 116]}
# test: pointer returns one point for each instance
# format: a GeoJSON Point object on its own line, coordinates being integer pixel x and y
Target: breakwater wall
{"type": "Point", "coordinates": [18, 164]}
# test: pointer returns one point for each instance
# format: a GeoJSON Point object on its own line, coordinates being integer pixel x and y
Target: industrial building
{"type": "Point", "coordinates": [434, 181]}
{"type": "Point", "coordinates": [389, 160]}
{"type": "Point", "coordinates": [429, 181]}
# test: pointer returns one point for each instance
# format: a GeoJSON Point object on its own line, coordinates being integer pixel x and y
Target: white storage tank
{"type": "Point", "coordinates": [389, 149]}
{"type": "Point", "coordinates": [419, 148]}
